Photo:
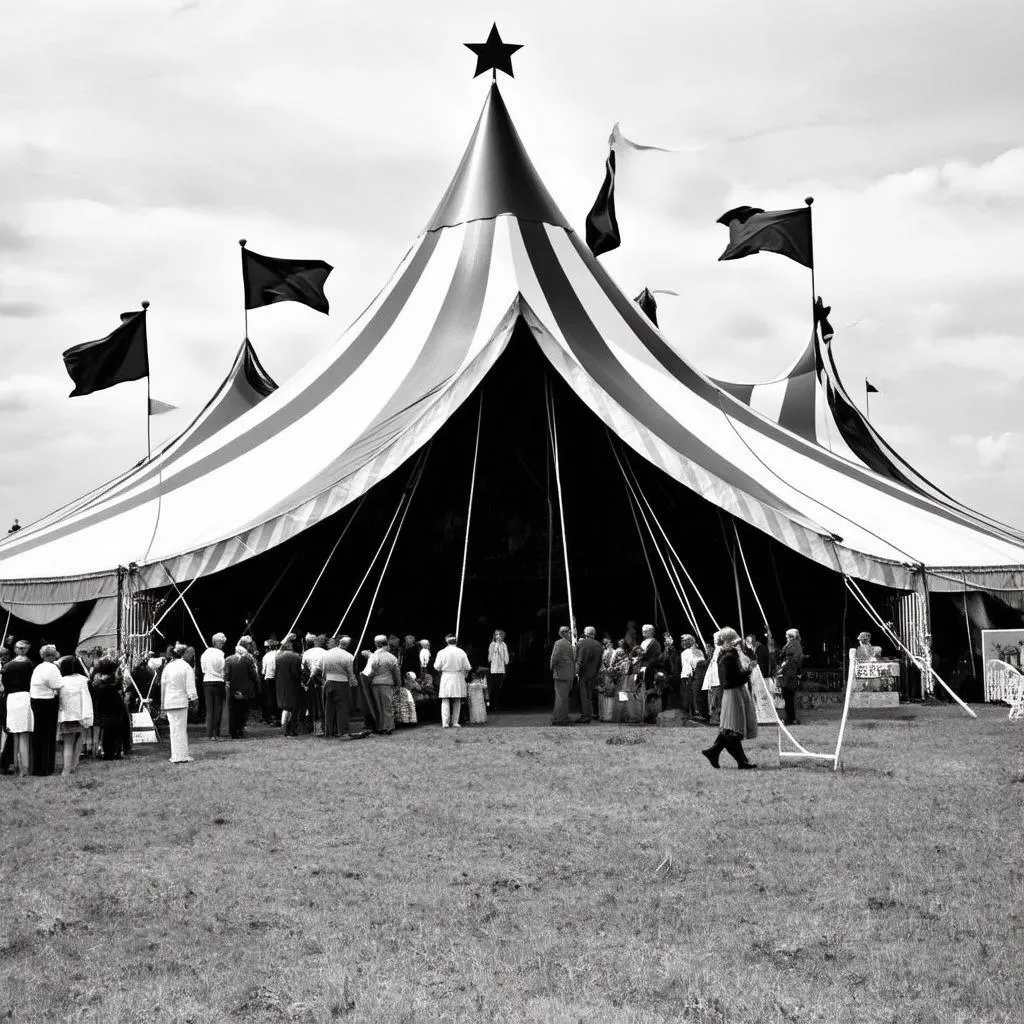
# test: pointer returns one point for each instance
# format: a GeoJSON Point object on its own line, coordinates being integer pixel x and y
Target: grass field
{"type": "Point", "coordinates": [593, 874]}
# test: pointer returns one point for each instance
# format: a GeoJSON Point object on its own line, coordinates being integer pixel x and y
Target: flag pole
{"type": "Point", "coordinates": [867, 400]}
{"type": "Point", "coordinates": [809, 200]}
{"type": "Point", "coordinates": [245, 308]}
{"type": "Point", "coordinates": [149, 403]}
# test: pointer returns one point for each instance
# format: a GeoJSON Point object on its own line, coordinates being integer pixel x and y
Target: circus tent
{"type": "Point", "coordinates": [497, 252]}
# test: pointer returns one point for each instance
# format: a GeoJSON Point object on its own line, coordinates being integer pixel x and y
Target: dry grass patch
{"type": "Point", "coordinates": [597, 874]}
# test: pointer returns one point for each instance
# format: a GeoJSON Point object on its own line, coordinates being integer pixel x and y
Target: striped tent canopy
{"type": "Point", "coordinates": [247, 383]}
{"type": "Point", "coordinates": [810, 399]}
{"type": "Point", "coordinates": [497, 250]}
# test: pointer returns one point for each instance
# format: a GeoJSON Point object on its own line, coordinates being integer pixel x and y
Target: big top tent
{"type": "Point", "coordinates": [496, 252]}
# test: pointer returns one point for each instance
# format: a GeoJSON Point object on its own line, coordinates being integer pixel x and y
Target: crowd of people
{"type": "Point", "coordinates": [713, 685]}
{"type": "Point", "coordinates": [60, 698]}
{"type": "Point", "coordinates": [318, 686]}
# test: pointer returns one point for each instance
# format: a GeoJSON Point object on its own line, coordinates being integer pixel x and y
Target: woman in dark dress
{"type": "Point", "coordinates": [288, 682]}
{"type": "Point", "coordinates": [738, 718]}
{"type": "Point", "coordinates": [242, 680]}
{"type": "Point", "coordinates": [108, 708]}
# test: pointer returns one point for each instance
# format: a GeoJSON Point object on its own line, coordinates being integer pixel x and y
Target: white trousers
{"type": "Point", "coordinates": [450, 708]}
{"type": "Point", "coordinates": [177, 719]}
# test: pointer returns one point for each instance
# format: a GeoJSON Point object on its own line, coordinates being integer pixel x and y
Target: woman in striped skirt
{"type": "Point", "coordinates": [738, 715]}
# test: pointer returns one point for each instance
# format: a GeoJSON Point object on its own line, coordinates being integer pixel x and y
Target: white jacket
{"type": "Point", "coordinates": [177, 685]}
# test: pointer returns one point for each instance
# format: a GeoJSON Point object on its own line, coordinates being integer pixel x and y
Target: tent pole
{"type": "Point", "coordinates": [668, 543]}
{"type": "Point", "coordinates": [316, 582]}
{"type": "Point", "coordinates": [270, 592]}
{"type": "Point", "coordinates": [673, 576]}
{"type": "Point", "coordinates": [394, 544]}
{"type": "Point", "coordinates": [551, 523]}
{"type": "Point", "coordinates": [553, 429]}
{"type": "Point", "coordinates": [469, 515]}
{"type": "Point", "coordinates": [809, 200]}
{"type": "Point", "coordinates": [384, 540]}
{"type": "Point", "coordinates": [750, 580]}
{"type": "Point", "coordinates": [735, 573]}
{"type": "Point", "coordinates": [967, 623]}
{"type": "Point", "coordinates": [650, 568]}
{"type": "Point", "coordinates": [120, 607]}
{"type": "Point", "coordinates": [181, 594]}
{"type": "Point", "coordinates": [926, 635]}
{"type": "Point", "coordinates": [167, 611]}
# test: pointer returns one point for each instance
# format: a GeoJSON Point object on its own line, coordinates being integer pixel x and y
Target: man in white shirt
{"type": "Point", "coordinates": [268, 694]}
{"type": "Point", "coordinates": [211, 664]}
{"type": "Point", "coordinates": [339, 668]}
{"type": "Point", "coordinates": [177, 692]}
{"type": "Point", "coordinates": [711, 686]}
{"type": "Point", "coordinates": [46, 681]}
{"type": "Point", "coordinates": [691, 681]}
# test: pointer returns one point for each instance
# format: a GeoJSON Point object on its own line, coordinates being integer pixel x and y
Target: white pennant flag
{"type": "Point", "coordinates": [156, 407]}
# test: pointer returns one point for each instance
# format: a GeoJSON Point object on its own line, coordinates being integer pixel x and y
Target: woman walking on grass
{"type": "Point", "coordinates": [738, 717]}
{"type": "Point", "coordinates": [75, 714]}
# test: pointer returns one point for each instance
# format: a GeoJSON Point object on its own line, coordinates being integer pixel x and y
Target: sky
{"type": "Point", "coordinates": [140, 139]}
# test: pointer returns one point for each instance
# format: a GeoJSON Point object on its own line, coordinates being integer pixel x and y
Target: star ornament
{"type": "Point", "coordinates": [494, 54]}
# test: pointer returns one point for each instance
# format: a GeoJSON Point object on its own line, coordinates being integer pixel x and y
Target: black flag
{"type": "Point", "coordinates": [602, 227]}
{"type": "Point", "coordinates": [121, 356]}
{"type": "Point", "coordinates": [821, 312]}
{"type": "Point", "coordinates": [646, 301]}
{"type": "Point", "coordinates": [268, 280]}
{"type": "Point", "coordinates": [870, 388]}
{"type": "Point", "coordinates": [751, 230]}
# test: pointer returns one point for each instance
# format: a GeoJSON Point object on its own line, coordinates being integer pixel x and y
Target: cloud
{"type": "Point", "coordinates": [11, 238]}
{"type": "Point", "coordinates": [992, 451]}
{"type": "Point", "coordinates": [1001, 178]}
{"type": "Point", "coordinates": [132, 169]}
{"type": "Point", "coordinates": [25, 391]}
{"type": "Point", "coordinates": [22, 310]}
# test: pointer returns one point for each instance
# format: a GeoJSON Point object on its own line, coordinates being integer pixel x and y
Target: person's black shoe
{"type": "Point", "coordinates": [712, 755]}
{"type": "Point", "coordinates": [746, 765]}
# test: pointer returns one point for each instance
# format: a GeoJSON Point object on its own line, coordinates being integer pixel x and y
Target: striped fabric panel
{"type": "Point", "coordinates": [289, 404]}
{"type": "Point", "coordinates": [440, 349]}
{"type": "Point", "coordinates": [293, 522]}
{"type": "Point", "coordinates": [820, 548]}
{"type": "Point", "coordinates": [590, 347]}
{"type": "Point", "coordinates": [703, 386]}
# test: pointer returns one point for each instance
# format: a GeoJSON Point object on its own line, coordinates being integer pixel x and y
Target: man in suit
{"type": "Point", "coordinates": [672, 665]}
{"type": "Point", "coordinates": [242, 681]}
{"type": "Point", "coordinates": [791, 661]}
{"type": "Point", "coordinates": [759, 652]}
{"type": "Point", "coordinates": [563, 666]}
{"type": "Point", "coordinates": [588, 664]}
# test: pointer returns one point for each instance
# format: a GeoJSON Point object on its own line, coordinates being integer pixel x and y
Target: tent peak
{"type": "Point", "coordinates": [495, 176]}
